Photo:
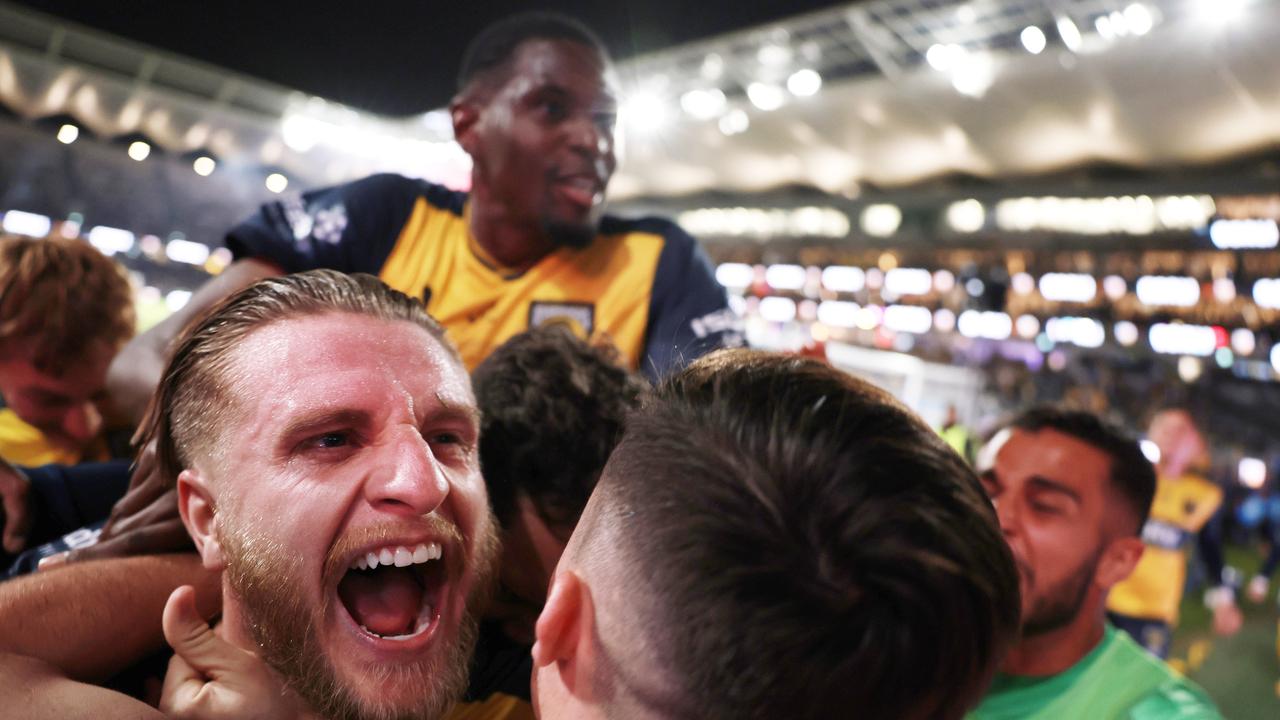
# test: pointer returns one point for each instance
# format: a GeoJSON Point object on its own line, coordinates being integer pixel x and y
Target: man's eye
{"type": "Point", "coordinates": [445, 438]}
{"type": "Point", "coordinates": [555, 109]}
{"type": "Point", "coordinates": [1047, 509]}
{"type": "Point", "coordinates": [331, 440]}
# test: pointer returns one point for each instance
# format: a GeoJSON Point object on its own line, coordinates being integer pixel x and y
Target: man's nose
{"type": "Point", "coordinates": [409, 479]}
{"type": "Point", "coordinates": [1008, 515]}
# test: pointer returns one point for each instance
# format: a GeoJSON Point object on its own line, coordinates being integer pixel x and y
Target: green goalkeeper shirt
{"type": "Point", "coordinates": [1117, 680]}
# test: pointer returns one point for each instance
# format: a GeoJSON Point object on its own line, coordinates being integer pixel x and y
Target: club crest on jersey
{"type": "Point", "coordinates": [578, 317]}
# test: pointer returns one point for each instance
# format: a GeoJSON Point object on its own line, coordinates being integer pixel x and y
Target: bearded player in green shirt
{"type": "Point", "coordinates": [1071, 493]}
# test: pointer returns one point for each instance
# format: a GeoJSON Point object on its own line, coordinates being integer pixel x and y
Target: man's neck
{"type": "Point", "coordinates": [511, 243]}
{"type": "Point", "coordinates": [233, 627]}
{"type": "Point", "coordinates": [1058, 650]}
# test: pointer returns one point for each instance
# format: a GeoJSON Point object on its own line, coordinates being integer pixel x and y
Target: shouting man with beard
{"type": "Point", "coordinates": [1072, 494]}
{"type": "Point", "coordinates": [324, 439]}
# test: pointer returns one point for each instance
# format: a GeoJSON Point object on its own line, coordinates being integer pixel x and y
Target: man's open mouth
{"type": "Point", "coordinates": [394, 592]}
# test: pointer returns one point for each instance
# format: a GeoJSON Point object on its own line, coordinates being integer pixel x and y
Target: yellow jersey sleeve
{"type": "Point", "coordinates": [23, 444]}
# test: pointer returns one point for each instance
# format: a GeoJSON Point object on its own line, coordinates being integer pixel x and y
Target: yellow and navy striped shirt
{"type": "Point", "coordinates": [644, 285]}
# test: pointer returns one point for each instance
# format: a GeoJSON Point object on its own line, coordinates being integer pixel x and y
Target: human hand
{"type": "Point", "coordinates": [1227, 619]}
{"type": "Point", "coordinates": [209, 678]}
{"type": "Point", "coordinates": [15, 488]}
{"type": "Point", "coordinates": [145, 521]}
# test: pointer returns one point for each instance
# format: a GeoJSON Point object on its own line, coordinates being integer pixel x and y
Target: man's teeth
{"type": "Point", "coordinates": [400, 556]}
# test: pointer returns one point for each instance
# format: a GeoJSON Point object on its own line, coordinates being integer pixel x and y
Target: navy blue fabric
{"type": "Point", "coordinates": [69, 504]}
{"type": "Point", "coordinates": [689, 313]}
{"type": "Point", "coordinates": [352, 227]}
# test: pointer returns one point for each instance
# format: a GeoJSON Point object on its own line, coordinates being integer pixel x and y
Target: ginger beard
{"type": "Point", "coordinates": [287, 628]}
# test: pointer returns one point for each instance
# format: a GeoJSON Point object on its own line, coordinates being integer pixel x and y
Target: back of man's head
{"type": "Point", "coordinates": [59, 299]}
{"type": "Point", "coordinates": [775, 538]}
{"type": "Point", "coordinates": [495, 45]}
{"type": "Point", "coordinates": [1132, 479]}
{"type": "Point", "coordinates": [553, 408]}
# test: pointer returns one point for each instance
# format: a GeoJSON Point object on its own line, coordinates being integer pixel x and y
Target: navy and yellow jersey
{"type": "Point", "coordinates": [643, 285]}
{"type": "Point", "coordinates": [1180, 509]}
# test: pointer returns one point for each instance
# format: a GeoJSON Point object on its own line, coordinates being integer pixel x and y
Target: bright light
{"type": "Point", "coordinates": [204, 166]}
{"type": "Point", "coordinates": [1139, 19]}
{"type": "Point", "coordinates": [25, 223]}
{"type": "Point", "coordinates": [139, 150]}
{"type": "Point", "coordinates": [1244, 234]}
{"type": "Point", "coordinates": [869, 317]}
{"type": "Point", "coordinates": [1243, 341]}
{"type": "Point", "coordinates": [1027, 326]}
{"type": "Point", "coordinates": [804, 83]}
{"type": "Point", "coordinates": [840, 278]}
{"type": "Point", "coordinates": [177, 299]}
{"type": "Point", "coordinates": [908, 319]}
{"type": "Point", "coordinates": [1266, 292]}
{"type": "Point", "coordinates": [944, 57]}
{"type": "Point", "coordinates": [1080, 331]}
{"type": "Point", "coordinates": [881, 220]}
{"type": "Point", "coordinates": [838, 313]}
{"type": "Point", "coordinates": [1189, 368]}
{"type": "Point", "coordinates": [185, 251]}
{"type": "Point", "coordinates": [875, 278]}
{"type": "Point", "coordinates": [1224, 290]}
{"type": "Point", "coordinates": [109, 240]}
{"type": "Point", "coordinates": [975, 287]}
{"type": "Point", "coordinates": [773, 55]}
{"type": "Point", "coordinates": [1168, 290]}
{"type": "Point", "coordinates": [1141, 215]}
{"type": "Point", "coordinates": [972, 74]}
{"type": "Point", "coordinates": [966, 216]}
{"type": "Point", "coordinates": [1033, 40]}
{"type": "Point", "coordinates": [1178, 339]}
{"type": "Point", "coordinates": [1275, 357]}
{"type": "Point", "coordinates": [908, 281]}
{"type": "Point", "coordinates": [1252, 472]}
{"type": "Point", "coordinates": [712, 66]}
{"type": "Point", "coordinates": [703, 104]}
{"type": "Point", "coordinates": [1151, 450]}
{"type": "Point", "coordinates": [1069, 33]}
{"type": "Point", "coordinates": [644, 112]}
{"type": "Point", "coordinates": [1221, 12]}
{"type": "Point", "coordinates": [735, 276]}
{"type": "Point", "coordinates": [1022, 283]}
{"type": "Point", "coordinates": [1126, 333]}
{"type": "Point", "coordinates": [944, 280]}
{"type": "Point", "coordinates": [778, 309]}
{"type": "Point", "coordinates": [1114, 287]}
{"type": "Point", "coordinates": [765, 96]}
{"type": "Point", "coordinates": [1068, 287]}
{"type": "Point", "coordinates": [944, 320]}
{"type": "Point", "coordinates": [67, 134]}
{"type": "Point", "coordinates": [276, 182]}
{"type": "Point", "coordinates": [990, 325]}
{"type": "Point", "coordinates": [1224, 357]}
{"type": "Point", "coordinates": [301, 133]}
{"type": "Point", "coordinates": [734, 122]}
{"type": "Point", "coordinates": [785, 277]}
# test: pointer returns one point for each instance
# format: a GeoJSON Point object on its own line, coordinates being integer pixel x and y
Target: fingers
{"type": "Point", "coordinates": [14, 487]}
{"type": "Point", "coordinates": [191, 637]}
{"type": "Point", "coordinates": [145, 486]}
{"type": "Point", "coordinates": [164, 507]}
{"type": "Point", "coordinates": [164, 537]}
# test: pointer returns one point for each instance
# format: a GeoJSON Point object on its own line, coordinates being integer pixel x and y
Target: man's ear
{"type": "Point", "coordinates": [565, 633]}
{"type": "Point", "coordinates": [200, 515]}
{"type": "Point", "coordinates": [465, 114]}
{"type": "Point", "coordinates": [1119, 559]}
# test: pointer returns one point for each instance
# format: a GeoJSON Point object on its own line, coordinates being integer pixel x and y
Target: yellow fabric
{"type": "Point", "coordinates": [480, 308]}
{"type": "Point", "coordinates": [1180, 509]}
{"type": "Point", "coordinates": [23, 444]}
{"type": "Point", "coordinates": [494, 707]}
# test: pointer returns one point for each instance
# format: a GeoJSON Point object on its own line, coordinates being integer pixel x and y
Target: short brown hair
{"type": "Point", "coordinates": [61, 296]}
{"type": "Point", "coordinates": [192, 397]}
{"type": "Point", "coordinates": [798, 544]}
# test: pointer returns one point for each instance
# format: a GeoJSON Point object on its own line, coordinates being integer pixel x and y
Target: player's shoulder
{"type": "Point", "coordinates": [674, 237]}
{"type": "Point", "coordinates": [1175, 699]}
{"type": "Point", "coordinates": [391, 185]}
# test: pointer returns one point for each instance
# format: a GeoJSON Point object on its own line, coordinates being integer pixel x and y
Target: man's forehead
{"type": "Point", "coordinates": [566, 64]}
{"type": "Point", "coordinates": [303, 363]}
{"type": "Point", "coordinates": [1052, 454]}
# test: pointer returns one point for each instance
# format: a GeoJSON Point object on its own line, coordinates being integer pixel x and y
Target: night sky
{"type": "Point", "coordinates": [395, 57]}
